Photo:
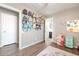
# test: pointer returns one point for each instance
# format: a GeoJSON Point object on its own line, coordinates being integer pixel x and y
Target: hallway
{"type": "Point", "coordinates": [34, 27]}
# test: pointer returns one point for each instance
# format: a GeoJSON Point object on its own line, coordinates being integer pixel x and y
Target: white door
{"type": "Point", "coordinates": [8, 29]}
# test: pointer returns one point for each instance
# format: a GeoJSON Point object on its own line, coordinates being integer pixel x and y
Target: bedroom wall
{"type": "Point", "coordinates": [31, 37]}
{"type": "Point", "coordinates": [59, 23]}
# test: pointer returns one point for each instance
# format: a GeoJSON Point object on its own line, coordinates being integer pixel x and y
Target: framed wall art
{"type": "Point", "coordinates": [72, 26]}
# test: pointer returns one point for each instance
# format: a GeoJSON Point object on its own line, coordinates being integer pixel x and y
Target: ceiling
{"type": "Point", "coordinates": [46, 9]}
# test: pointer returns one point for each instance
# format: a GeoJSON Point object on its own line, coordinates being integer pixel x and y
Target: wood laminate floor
{"type": "Point", "coordinates": [12, 50]}
{"type": "Point", "coordinates": [74, 50]}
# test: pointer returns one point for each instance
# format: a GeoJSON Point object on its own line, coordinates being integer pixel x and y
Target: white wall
{"type": "Point", "coordinates": [59, 22]}
{"type": "Point", "coordinates": [31, 37]}
{"type": "Point", "coordinates": [3, 10]}
{"type": "Point", "coordinates": [48, 28]}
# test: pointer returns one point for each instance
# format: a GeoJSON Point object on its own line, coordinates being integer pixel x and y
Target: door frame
{"type": "Point", "coordinates": [19, 12]}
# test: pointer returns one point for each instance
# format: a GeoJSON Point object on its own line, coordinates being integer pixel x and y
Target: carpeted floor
{"type": "Point", "coordinates": [52, 51]}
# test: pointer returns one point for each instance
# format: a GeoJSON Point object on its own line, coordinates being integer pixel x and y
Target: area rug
{"type": "Point", "coordinates": [52, 51]}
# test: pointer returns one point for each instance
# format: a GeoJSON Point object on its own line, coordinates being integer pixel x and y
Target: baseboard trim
{"type": "Point", "coordinates": [1, 45]}
{"type": "Point", "coordinates": [7, 45]}
{"type": "Point", "coordinates": [31, 44]}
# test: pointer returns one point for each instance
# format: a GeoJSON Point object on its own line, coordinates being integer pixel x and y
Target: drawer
{"type": "Point", "coordinates": [68, 39]}
{"type": "Point", "coordinates": [70, 43]}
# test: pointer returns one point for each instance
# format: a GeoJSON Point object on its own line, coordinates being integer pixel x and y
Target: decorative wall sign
{"type": "Point", "coordinates": [24, 20]}
{"type": "Point", "coordinates": [24, 12]}
{"type": "Point", "coordinates": [27, 26]}
{"type": "Point", "coordinates": [38, 26]}
{"type": "Point", "coordinates": [30, 14]}
{"type": "Point", "coordinates": [31, 21]}
{"type": "Point", "coordinates": [73, 26]}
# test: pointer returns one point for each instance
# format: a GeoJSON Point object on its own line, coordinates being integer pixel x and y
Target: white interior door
{"type": "Point", "coordinates": [8, 29]}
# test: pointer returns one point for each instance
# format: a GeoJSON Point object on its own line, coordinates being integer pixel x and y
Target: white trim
{"type": "Point", "coordinates": [16, 10]}
{"type": "Point", "coordinates": [20, 29]}
{"type": "Point", "coordinates": [31, 44]}
{"type": "Point", "coordinates": [9, 7]}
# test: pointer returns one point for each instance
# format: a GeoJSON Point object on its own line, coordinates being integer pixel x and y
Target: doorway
{"type": "Point", "coordinates": [9, 27]}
